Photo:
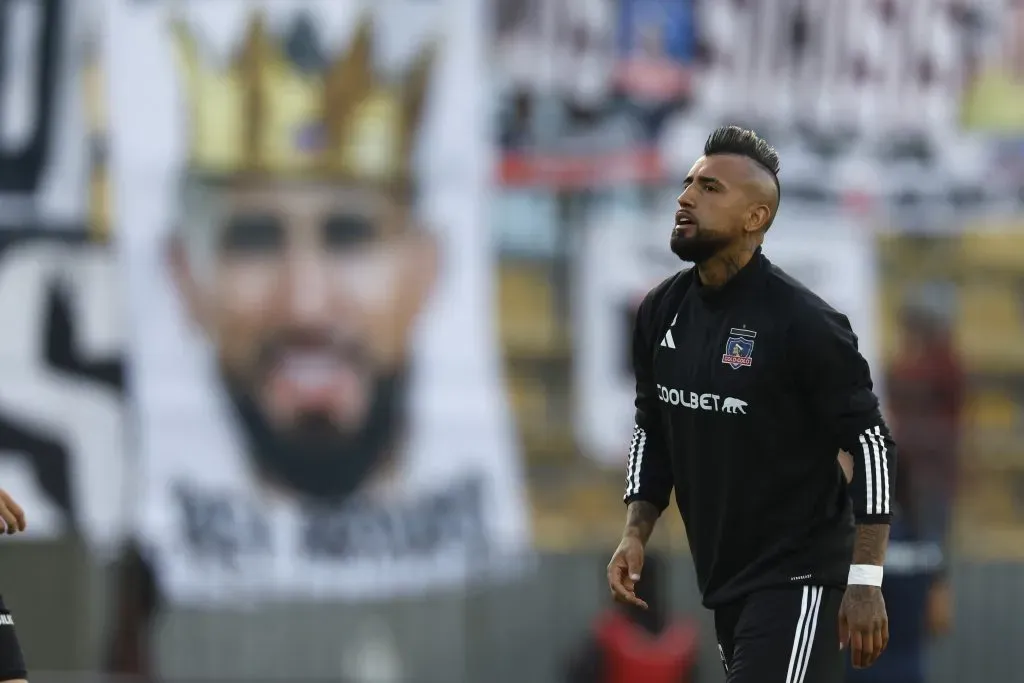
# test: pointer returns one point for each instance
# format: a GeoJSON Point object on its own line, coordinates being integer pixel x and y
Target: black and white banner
{"type": "Point", "coordinates": [321, 407]}
{"type": "Point", "coordinates": [62, 411]}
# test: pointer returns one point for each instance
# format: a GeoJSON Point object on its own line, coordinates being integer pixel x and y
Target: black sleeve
{"type": "Point", "coordinates": [837, 380]}
{"type": "Point", "coordinates": [12, 661]}
{"type": "Point", "coordinates": [648, 469]}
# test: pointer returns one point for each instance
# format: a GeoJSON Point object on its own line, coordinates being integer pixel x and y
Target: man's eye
{"type": "Point", "coordinates": [252, 233]}
{"type": "Point", "coordinates": [348, 231]}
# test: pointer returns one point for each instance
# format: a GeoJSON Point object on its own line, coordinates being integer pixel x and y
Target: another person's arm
{"type": "Point", "coordinates": [939, 609]}
{"type": "Point", "coordinates": [11, 513]}
{"type": "Point", "coordinates": [128, 650]}
{"type": "Point", "coordinates": [939, 617]}
{"type": "Point", "coordinates": [838, 383]}
{"type": "Point", "coordinates": [11, 657]}
{"type": "Point", "coordinates": [648, 469]}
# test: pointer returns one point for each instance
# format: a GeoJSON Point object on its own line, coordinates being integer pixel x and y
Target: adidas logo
{"type": "Point", "coordinates": [668, 342]}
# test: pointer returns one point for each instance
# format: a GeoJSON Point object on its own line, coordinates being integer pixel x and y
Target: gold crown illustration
{"type": "Point", "coordinates": [94, 89]}
{"type": "Point", "coordinates": [267, 113]}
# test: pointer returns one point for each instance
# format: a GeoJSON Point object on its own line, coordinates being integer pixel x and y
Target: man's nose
{"type": "Point", "coordinates": [685, 199]}
{"type": "Point", "coordinates": [306, 290]}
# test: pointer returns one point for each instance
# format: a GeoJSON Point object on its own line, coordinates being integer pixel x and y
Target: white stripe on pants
{"type": "Point", "coordinates": [803, 639]}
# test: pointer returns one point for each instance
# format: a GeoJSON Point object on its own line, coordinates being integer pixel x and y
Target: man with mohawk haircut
{"type": "Point", "coordinates": [303, 259]}
{"type": "Point", "coordinates": [748, 385]}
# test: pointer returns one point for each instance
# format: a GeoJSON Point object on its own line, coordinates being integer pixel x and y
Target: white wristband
{"type": "Point", "coordinates": [865, 575]}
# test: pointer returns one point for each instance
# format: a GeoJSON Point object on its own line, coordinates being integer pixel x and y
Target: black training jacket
{"type": "Point", "coordinates": [744, 397]}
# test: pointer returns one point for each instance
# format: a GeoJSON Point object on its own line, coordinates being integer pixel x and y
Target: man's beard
{"type": "Point", "coordinates": [699, 247]}
{"type": "Point", "coordinates": [314, 458]}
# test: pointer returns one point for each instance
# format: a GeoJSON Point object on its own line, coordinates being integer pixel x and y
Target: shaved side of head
{"type": "Point", "coordinates": [762, 184]}
{"type": "Point", "coordinates": [763, 188]}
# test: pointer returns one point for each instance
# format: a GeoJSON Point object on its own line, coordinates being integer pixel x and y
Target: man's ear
{"type": "Point", "coordinates": [185, 281]}
{"type": "Point", "coordinates": [759, 219]}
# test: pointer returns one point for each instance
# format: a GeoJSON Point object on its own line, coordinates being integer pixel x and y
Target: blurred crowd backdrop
{"type": "Point", "coordinates": [314, 314]}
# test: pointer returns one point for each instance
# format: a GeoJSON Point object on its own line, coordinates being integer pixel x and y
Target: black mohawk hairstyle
{"type": "Point", "coordinates": [743, 142]}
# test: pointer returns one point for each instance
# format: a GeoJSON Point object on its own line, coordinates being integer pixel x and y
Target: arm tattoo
{"type": "Point", "coordinates": [864, 604]}
{"type": "Point", "coordinates": [640, 519]}
{"type": "Point", "coordinates": [870, 544]}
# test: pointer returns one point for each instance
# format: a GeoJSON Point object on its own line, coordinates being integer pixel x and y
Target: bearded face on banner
{"type": "Point", "coordinates": [299, 254]}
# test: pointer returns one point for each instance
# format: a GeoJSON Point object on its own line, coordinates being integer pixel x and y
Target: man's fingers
{"type": "Point", "coordinates": [11, 513]}
{"type": "Point", "coordinates": [623, 594]}
{"type": "Point", "coordinates": [620, 592]}
{"type": "Point", "coordinates": [618, 588]}
{"type": "Point", "coordinates": [856, 648]}
{"type": "Point", "coordinates": [634, 566]}
{"type": "Point", "coordinates": [10, 521]}
{"type": "Point", "coordinates": [844, 631]}
{"type": "Point", "coordinates": [618, 573]}
{"type": "Point", "coordinates": [867, 657]}
{"type": "Point", "coordinates": [614, 576]}
{"type": "Point", "coordinates": [622, 585]}
{"type": "Point", "coordinates": [618, 583]}
{"type": "Point", "coordinates": [874, 640]}
{"type": "Point", "coordinates": [19, 515]}
{"type": "Point", "coordinates": [879, 643]}
{"type": "Point", "coordinates": [866, 646]}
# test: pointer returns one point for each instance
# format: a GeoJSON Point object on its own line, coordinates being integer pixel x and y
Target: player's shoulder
{"type": "Point", "coordinates": [798, 300]}
{"type": "Point", "coordinates": [665, 296]}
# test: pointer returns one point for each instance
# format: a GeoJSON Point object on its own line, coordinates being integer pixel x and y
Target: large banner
{"type": "Point", "coordinates": [300, 193]}
{"type": "Point", "coordinates": [585, 88]}
{"type": "Point", "coordinates": [61, 409]}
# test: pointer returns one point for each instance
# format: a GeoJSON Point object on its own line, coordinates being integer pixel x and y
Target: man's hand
{"type": "Point", "coordinates": [624, 571]}
{"type": "Point", "coordinates": [628, 560]}
{"type": "Point", "coordinates": [11, 513]}
{"type": "Point", "coordinates": [863, 625]}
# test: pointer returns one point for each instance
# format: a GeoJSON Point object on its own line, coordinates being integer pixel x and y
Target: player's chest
{"type": "Point", "coordinates": [702, 354]}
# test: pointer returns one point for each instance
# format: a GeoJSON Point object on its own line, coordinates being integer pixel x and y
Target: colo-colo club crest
{"type": "Point", "coordinates": [738, 348]}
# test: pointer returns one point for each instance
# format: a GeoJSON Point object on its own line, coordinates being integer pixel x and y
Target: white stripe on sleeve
{"type": "Point", "coordinates": [884, 467]}
{"type": "Point", "coordinates": [869, 477]}
{"type": "Point", "coordinates": [876, 471]}
{"type": "Point", "coordinates": [636, 460]}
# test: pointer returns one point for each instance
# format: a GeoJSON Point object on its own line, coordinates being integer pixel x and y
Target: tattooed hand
{"type": "Point", "coordinates": [624, 571]}
{"type": "Point", "coordinates": [863, 625]}
{"type": "Point", "coordinates": [628, 560]}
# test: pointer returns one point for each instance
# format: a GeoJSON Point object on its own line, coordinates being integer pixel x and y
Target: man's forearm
{"type": "Point", "coordinates": [871, 543]}
{"type": "Point", "coordinates": [641, 517]}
